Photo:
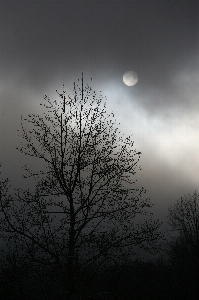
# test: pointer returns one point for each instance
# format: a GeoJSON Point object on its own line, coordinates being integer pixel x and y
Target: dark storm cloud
{"type": "Point", "coordinates": [46, 41]}
{"type": "Point", "coordinates": [50, 37]}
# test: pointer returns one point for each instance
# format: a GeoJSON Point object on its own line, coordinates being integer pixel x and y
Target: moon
{"type": "Point", "coordinates": [130, 78]}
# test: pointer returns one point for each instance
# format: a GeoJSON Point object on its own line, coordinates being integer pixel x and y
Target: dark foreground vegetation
{"type": "Point", "coordinates": [139, 280]}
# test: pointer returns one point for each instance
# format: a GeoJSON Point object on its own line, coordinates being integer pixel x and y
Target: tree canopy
{"type": "Point", "coordinates": [85, 204]}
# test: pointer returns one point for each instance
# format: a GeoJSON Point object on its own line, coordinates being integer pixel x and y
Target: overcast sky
{"type": "Point", "coordinates": [47, 43]}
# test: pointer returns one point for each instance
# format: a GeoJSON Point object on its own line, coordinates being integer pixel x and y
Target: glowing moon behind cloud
{"type": "Point", "coordinates": [130, 78]}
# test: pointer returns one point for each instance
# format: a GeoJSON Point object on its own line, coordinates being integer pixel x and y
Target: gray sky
{"type": "Point", "coordinates": [47, 43]}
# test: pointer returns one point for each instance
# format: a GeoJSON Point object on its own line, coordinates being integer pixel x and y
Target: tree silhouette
{"type": "Point", "coordinates": [183, 250]}
{"type": "Point", "coordinates": [183, 217]}
{"type": "Point", "coordinates": [84, 208]}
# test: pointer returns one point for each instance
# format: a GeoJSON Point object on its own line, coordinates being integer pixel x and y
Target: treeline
{"type": "Point", "coordinates": [139, 280]}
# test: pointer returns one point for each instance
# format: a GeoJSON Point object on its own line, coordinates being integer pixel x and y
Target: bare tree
{"type": "Point", "coordinates": [183, 249]}
{"type": "Point", "coordinates": [85, 204]}
{"type": "Point", "coordinates": [183, 217]}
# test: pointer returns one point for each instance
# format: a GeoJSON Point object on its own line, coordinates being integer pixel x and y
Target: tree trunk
{"type": "Point", "coordinates": [71, 265]}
